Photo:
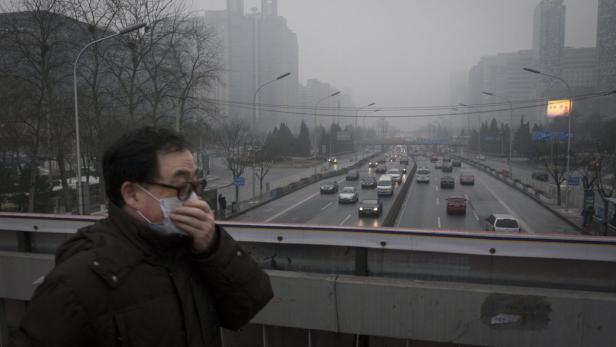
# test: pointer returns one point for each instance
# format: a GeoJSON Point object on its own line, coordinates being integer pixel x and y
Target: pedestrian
{"type": "Point", "coordinates": [158, 271]}
{"type": "Point", "coordinates": [584, 216]}
{"type": "Point", "coordinates": [222, 203]}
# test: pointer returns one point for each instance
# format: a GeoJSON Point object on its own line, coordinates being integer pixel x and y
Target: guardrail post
{"type": "Point", "coordinates": [4, 326]}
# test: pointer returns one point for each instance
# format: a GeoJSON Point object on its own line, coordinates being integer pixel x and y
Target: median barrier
{"type": "Point", "coordinates": [394, 210]}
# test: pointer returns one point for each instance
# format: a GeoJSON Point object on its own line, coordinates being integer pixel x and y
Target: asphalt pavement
{"type": "Point", "coordinates": [308, 206]}
{"type": "Point", "coordinates": [425, 206]}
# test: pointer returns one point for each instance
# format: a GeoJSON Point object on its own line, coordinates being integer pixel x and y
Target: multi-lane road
{"type": "Point", "coordinates": [309, 206]}
{"type": "Point", "coordinates": [424, 206]}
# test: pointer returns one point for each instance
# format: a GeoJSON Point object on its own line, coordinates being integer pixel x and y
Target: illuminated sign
{"type": "Point", "coordinates": [558, 108]}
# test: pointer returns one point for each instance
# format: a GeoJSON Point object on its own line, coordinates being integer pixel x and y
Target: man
{"type": "Point", "coordinates": [157, 272]}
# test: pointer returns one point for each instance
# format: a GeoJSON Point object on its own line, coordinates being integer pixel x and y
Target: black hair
{"type": "Point", "coordinates": [134, 158]}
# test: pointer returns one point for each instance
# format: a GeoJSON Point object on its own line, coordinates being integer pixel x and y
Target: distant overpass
{"type": "Point", "coordinates": [344, 286]}
{"type": "Point", "coordinates": [410, 142]}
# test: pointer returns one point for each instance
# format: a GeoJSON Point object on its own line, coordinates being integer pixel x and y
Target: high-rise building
{"type": "Point", "coordinates": [606, 54]}
{"type": "Point", "coordinates": [549, 36]}
{"type": "Point", "coordinates": [257, 48]}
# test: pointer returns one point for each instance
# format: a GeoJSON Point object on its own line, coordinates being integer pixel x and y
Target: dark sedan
{"type": "Point", "coordinates": [381, 169]}
{"type": "Point", "coordinates": [352, 175]}
{"type": "Point", "coordinates": [456, 204]}
{"type": "Point", "coordinates": [368, 182]}
{"type": "Point", "coordinates": [540, 176]}
{"type": "Point", "coordinates": [370, 208]}
{"type": "Point", "coordinates": [329, 188]}
{"type": "Point", "coordinates": [456, 163]}
{"type": "Point", "coordinates": [447, 182]}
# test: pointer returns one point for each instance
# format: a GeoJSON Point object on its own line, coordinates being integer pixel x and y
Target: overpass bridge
{"type": "Point", "coordinates": [348, 286]}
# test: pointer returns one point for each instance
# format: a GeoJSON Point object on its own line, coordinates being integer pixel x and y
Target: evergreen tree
{"type": "Point", "coordinates": [303, 140]}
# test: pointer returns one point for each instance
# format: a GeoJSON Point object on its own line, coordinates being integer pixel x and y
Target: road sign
{"type": "Point", "coordinates": [573, 180]}
{"type": "Point", "coordinates": [239, 181]}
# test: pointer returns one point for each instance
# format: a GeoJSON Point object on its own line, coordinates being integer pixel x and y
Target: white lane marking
{"type": "Point", "coordinates": [345, 219]}
{"type": "Point", "coordinates": [290, 208]}
{"type": "Point", "coordinates": [326, 206]}
{"type": "Point", "coordinates": [438, 219]}
{"type": "Point", "coordinates": [466, 197]}
{"type": "Point", "coordinates": [525, 226]}
{"type": "Point", "coordinates": [436, 201]}
{"type": "Point", "coordinates": [436, 187]}
{"type": "Point", "coordinates": [476, 216]}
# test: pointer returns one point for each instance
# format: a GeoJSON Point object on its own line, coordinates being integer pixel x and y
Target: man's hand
{"type": "Point", "coordinates": [196, 218]}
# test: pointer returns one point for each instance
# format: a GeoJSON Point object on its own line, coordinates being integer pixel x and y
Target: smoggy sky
{"type": "Point", "coordinates": [402, 52]}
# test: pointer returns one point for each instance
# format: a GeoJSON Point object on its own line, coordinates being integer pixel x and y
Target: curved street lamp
{"type": "Point", "coordinates": [315, 119]}
{"type": "Point", "coordinates": [569, 116]}
{"type": "Point", "coordinates": [510, 125]}
{"type": "Point", "coordinates": [78, 148]}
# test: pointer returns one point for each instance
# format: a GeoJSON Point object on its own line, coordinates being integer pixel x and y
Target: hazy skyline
{"type": "Point", "coordinates": [402, 52]}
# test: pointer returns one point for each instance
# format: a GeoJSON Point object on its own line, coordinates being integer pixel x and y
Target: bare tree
{"type": "Point", "coordinates": [234, 137]}
{"type": "Point", "coordinates": [36, 54]}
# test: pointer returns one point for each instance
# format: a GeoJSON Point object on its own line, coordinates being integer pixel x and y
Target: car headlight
{"type": "Point", "coordinates": [361, 208]}
{"type": "Point", "coordinates": [375, 209]}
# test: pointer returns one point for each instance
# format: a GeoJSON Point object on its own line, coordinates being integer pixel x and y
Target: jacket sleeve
{"type": "Point", "coordinates": [240, 288]}
{"type": "Point", "coordinates": [55, 317]}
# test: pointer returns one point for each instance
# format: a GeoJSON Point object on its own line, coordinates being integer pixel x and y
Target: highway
{"type": "Point", "coordinates": [425, 206]}
{"type": "Point", "coordinates": [277, 177]}
{"type": "Point", "coordinates": [308, 206]}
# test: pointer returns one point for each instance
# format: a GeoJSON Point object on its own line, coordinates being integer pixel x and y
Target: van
{"type": "Point", "coordinates": [385, 186]}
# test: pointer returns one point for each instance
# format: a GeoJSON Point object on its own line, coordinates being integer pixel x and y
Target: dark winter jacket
{"type": "Point", "coordinates": [117, 283]}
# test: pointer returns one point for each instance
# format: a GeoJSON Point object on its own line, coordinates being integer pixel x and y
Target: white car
{"type": "Point", "coordinates": [395, 175]}
{"type": "Point", "coordinates": [423, 175]}
{"type": "Point", "coordinates": [348, 195]}
{"type": "Point", "coordinates": [504, 223]}
{"type": "Point", "coordinates": [385, 186]}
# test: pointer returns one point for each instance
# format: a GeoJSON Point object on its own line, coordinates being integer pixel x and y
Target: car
{"type": "Point", "coordinates": [439, 164]}
{"type": "Point", "coordinates": [348, 195]}
{"type": "Point", "coordinates": [370, 207]}
{"type": "Point", "coordinates": [372, 164]}
{"type": "Point", "coordinates": [368, 182]}
{"type": "Point", "coordinates": [481, 157]}
{"type": "Point", "coordinates": [385, 186]}
{"type": "Point", "coordinates": [456, 204]}
{"type": "Point", "coordinates": [395, 174]}
{"type": "Point", "coordinates": [381, 168]}
{"type": "Point", "coordinates": [467, 179]}
{"type": "Point", "coordinates": [505, 223]}
{"type": "Point", "coordinates": [381, 161]}
{"type": "Point", "coordinates": [332, 160]}
{"type": "Point", "coordinates": [329, 188]}
{"type": "Point", "coordinates": [404, 171]}
{"type": "Point", "coordinates": [422, 175]}
{"type": "Point", "coordinates": [352, 175]}
{"type": "Point", "coordinates": [404, 161]}
{"type": "Point", "coordinates": [540, 176]}
{"type": "Point", "coordinates": [447, 182]}
{"type": "Point", "coordinates": [447, 167]}
{"type": "Point", "coordinates": [505, 173]}
{"type": "Point", "coordinates": [456, 163]}
{"type": "Point", "coordinates": [433, 159]}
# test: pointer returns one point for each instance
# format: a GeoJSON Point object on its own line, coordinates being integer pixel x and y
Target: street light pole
{"type": "Point", "coordinates": [254, 127]}
{"type": "Point", "coordinates": [569, 134]}
{"type": "Point", "coordinates": [510, 126]}
{"type": "Point", "coordinates": [315, 119]}
{"type": "Point", "coordinates": [479, 119]}
{"type": "Point", "coordinates": [77, 145]}
{"type": "Point", "coordinates": [356, 117]}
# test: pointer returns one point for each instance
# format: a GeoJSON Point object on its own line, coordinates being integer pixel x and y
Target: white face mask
{"type": "Point", "coordinates": [166, 226]}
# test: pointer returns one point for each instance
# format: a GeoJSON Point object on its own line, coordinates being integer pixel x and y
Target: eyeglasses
{"type": "Point", "coordinates": [185, 190]}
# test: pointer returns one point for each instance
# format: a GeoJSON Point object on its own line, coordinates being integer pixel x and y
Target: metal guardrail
{"type": "Point", "coordinates": [444, 286]}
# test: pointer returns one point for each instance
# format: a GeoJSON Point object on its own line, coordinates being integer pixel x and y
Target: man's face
{"type": "Point", "coordinates": [175, 169]}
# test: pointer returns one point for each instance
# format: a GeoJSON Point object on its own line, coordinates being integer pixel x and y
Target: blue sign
{"type": "Point", "coordinates": [239, 181]}
{"type": "Point", "coordinates": [540, 135]}
{"type": "Point", "coordinates": [573, 180]}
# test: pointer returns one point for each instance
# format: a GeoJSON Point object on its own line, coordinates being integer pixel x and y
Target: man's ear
{"type": "Point", "coordinates": [129, 194]}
